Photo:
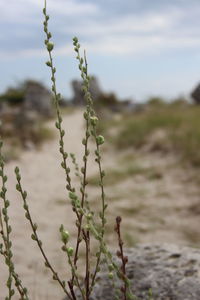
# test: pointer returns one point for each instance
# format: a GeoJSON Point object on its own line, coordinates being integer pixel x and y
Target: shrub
{"type": "Point", "coordinates": [180, 124]}
{"type": "Point", "coordinates": [13, 96]}
{"type": "Point", "coordinates": [156, 101]}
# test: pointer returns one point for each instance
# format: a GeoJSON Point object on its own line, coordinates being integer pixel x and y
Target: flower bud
{"type": "Point", "coordinates": [48, 63]}
{"type": "Point", "coordinates": [70, 251]}
{"type": "Point", "coordinates": [50, 46]}
{"type": "Point", "coordinates": [65, 236]}
{"type": "Point", "coordinates": [100, 140]}
{"type": "Point", "coordinates": [16, 170]}
{"type": "Point", "coordinates": [89, 216]}
{"type": "Point", "coordinates": [72, 196]}
{"type": "Point", "coordinates": [94, 120]}
{"type": "Point", "coordinates": [110, 275]}
{"type": "Point", "coordinates": [75, 39]}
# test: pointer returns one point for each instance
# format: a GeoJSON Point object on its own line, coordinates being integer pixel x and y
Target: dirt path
{"type": "Point", "coordinates": [163, 207]}
{"type": "Point", "coordinates": [43, 179]}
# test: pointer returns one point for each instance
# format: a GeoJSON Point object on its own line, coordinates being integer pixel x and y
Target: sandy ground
{"type": "Point", "coordinates": [164, 209]}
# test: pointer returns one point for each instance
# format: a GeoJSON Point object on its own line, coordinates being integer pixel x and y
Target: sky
{"type": "Point", "coordinates": [136, 48]}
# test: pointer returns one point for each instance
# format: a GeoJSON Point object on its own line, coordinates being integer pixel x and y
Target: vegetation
{"type": "Point", "coordinates": [13, 96]}
{"type": "Point", "coordinates": [114, 176]}
{"type": "Point", "coordinates": [90, 225]}
{"type": "Point", "coordinates": [178, 123]}
{"type": "Point", "coordinates": [174, 127]}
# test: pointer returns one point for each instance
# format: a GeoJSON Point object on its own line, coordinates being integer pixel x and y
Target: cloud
{"type": "Point", "coordinates": [145, 32]}
{"type": "Point", "coordinates": [139, 45]}
{"type": "Point", "coordinates": [72, 7]}
{"type": "Point", "coordinates": [30, 11]}
{"type": "Point", "coordinates": [130, 23]}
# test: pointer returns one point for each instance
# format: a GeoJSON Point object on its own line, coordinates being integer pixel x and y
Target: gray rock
{"type": "Point", "coordinates": [196, 94]}
{"type": "Point", "coordinates": [38, 98]}
{"type": "Point", "coordinates": [78, 97]}
{"type": "Point", "coordinates": [171, 272]}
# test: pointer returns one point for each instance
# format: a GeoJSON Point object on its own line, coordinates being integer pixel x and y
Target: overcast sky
{"type": "Point", "coordinates": [137, 48]}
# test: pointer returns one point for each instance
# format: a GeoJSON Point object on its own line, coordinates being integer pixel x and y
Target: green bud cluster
{"type": "Point", "coordinates": [77, 171]}
{"type": "Point", "coordinates": [64, 235]}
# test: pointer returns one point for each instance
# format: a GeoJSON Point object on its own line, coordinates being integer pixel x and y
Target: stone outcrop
{"type": "Point", "coordinates": [78, 97]}
{"type": "Point", "coordinates": [104, 103]}
{"type": "Point", "coordinates": [196, 94]}
{"type": "Point", "coordinates": [38, 98]}
{"type": "Point", "coordinates": [171, 272]}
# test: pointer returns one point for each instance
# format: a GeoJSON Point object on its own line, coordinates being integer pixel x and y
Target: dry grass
{"type": "Point", "coordinates": [180, 124]}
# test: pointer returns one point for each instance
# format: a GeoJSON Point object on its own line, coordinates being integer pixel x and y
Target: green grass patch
{"type": "Point", "coordinates": [133, 210]}
{"type": "Point", "coordinates": [114, 176]}
{"type": "Point", "coordinates": [43, 134]}
{"type": "Point", "coordinates": [179, 123]}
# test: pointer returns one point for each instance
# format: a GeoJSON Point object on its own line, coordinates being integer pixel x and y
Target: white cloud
{"type": "Point", "coordinates": [25, 11]}
{"type": "Point", "coordinates": [138, 45]}
{"type": "Point", "coordinates": [131, 23]}
{"type": "Point", "coordinates": [72, 7]}
{"type": "Point", "coordinates": [38, 52]}
{"type": "Point", "coordinates": [20, 11]}
{"type": "Point", "coordinates": [144, 33]}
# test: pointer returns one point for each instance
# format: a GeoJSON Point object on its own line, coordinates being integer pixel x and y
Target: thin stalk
{"type": "Point", "coordinates": [84, 172]}
{"type": "Point", "coordinates": [35, 237]}
{"type": "Point", "coordinates": [57, 97]}
{"type": "Point", "coordinates": [5, 233]}
{"type": "Point", "coordinates": [91, 121]}
{"type": "Point", "coordinates": [87, 263]}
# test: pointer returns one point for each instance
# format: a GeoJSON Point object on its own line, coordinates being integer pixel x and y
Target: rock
{"type": "Point", "coordinates": [196, 94]}
{"type": "Point", "coordinates": [95, 88]}
{"type": "Point", "coordinates": [78, 98]}
{"type": "Point", "coordinates": [38, 98]}
{"type": "Point", "coordinates": [26, 124]}
{"type": "Point", "coordinates": [171, 272]}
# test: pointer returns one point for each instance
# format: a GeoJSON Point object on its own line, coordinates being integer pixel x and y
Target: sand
{"type": "Point", "coordinates": [153, 210]}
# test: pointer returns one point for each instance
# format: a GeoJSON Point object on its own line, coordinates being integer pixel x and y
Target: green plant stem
{"type": "Point", "coordinates": [5, 233]}
{"type": "Point", "coordinates": [21, 290]}
{"type": "Point", "coordinates": [91, 113]}
{"type": "Point", "coordinates": [123, 258]}
{"type": "Point", "coordinates": [83, 184]}
{"type": "Point", "coordinates": [87, 265]}
{"type": "Point", "coordinates": [76, 279]}
{"type": "Point", "coordinates": [76, 166]}
{"type": "Point", "coordinates": [61, 131]}
{"type": "Point", "coordinates": [35, 235]}
{"type": "Point", "coordinates": [57, 98]}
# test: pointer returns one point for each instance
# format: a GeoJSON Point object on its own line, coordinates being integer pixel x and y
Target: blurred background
{"type": "Point", "coordinates": [135, 48]}
{"type": "Point", "coordinates": [144, 61]}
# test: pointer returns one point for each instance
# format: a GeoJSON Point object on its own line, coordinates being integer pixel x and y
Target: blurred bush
{"type": "Point", "coordinates": [179, 123]}
{"type": "Point", "coordinates": [156, 101]}
{"type": "Point", "coordinates": [23, 111]}
{"type": "Point", "coordinates": [13, 96]}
